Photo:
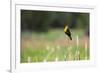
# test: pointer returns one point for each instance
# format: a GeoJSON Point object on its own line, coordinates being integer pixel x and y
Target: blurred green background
{"type": "Point", "coordinates": [43, 38]}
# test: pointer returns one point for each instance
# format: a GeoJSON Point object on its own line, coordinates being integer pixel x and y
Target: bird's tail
{"type": "Point", "coordinates": [70, 38]}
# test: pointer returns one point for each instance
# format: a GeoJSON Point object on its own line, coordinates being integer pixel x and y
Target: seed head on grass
{"type": "Point", "coordinates": [85, 57]}
{"type": "Point", "coordinates": [29, 59]}
{"type": "Point", "coordinates": [77, 41]}
{"type": "Point", "coordinates": [48, 47]}
{"type": "Point", "coordinates": [77, 55]}
{"type": "Point", "coordinates": [44, 60]}
{"type": "Point", "coordinates": [58, 47]}
{"type": "Point", "coordinates": [56, 59]}
{"type": "Point", "coordinates": [65, 58]}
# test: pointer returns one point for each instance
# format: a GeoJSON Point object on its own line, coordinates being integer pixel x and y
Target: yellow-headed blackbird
{"type": "Point", "coordinates": [67, 32]}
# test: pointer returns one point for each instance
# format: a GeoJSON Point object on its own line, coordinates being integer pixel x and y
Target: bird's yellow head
{"type": "Point", "coordinates": [65, 29]}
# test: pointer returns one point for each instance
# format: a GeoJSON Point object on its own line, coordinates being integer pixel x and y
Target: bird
{"type": "Point", "coordinates": [67, 32]}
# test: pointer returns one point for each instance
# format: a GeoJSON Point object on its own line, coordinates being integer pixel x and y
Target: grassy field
{"type": "Point", "coordinates": [54, 46]}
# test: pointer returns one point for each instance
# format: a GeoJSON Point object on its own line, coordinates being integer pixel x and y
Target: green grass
{"type": "Point", "coordinates": [37, 44]}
